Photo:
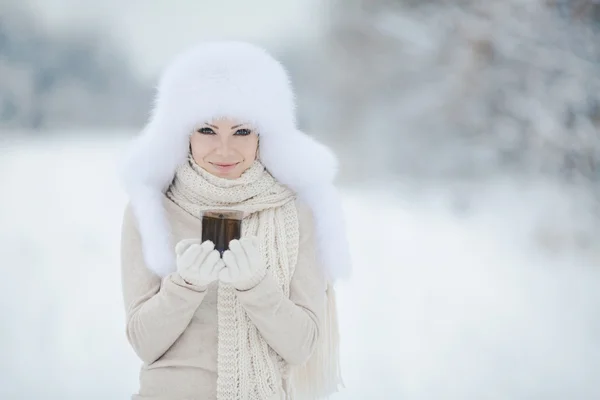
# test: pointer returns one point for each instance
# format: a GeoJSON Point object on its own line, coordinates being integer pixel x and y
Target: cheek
{"type": "Point", "coordinates": [250, 149]}
{"type": "Point", "coordinates": [200, 147]}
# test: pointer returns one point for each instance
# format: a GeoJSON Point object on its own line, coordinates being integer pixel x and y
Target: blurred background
{"type": "Point", "coordinates": [468, 133]}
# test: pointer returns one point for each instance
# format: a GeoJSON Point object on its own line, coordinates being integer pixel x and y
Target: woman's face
{"type": "Point", "coordinates": [224, 147]}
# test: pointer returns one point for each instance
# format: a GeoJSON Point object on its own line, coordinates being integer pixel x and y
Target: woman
{"type": "Point", "coordinates": [260, 321]}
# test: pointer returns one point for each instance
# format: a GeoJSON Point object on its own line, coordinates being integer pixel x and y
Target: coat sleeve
{"type": "Point", "coordinates": [157, 310]}
{"type": "Point", "coordinates": [291, 325]}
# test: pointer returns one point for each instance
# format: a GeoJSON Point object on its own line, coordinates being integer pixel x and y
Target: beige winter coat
{"type": "Point", "coordinates": [173, 327]}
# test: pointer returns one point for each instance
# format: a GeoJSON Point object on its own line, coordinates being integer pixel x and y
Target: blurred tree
{"type": "Point", "coordinates": [460, 89]}
{"type": "Point", "coordinates": [64, 80]}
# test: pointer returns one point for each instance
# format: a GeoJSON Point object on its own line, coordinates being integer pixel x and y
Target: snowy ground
{"type": "Point", "coordinates": [441, 306]}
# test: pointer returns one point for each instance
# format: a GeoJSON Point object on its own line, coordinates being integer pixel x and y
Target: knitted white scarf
{"type": "Point", "coordinates": [247, 367]}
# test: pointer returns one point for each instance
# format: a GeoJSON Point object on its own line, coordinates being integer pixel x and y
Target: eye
{"type": "Point", "coordinates": [206, 131]}
{"type": "Point", "coordinates": [243, 132]}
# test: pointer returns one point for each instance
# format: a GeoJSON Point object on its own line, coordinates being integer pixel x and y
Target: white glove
{"type": "Point", "coordinates": [198, 264]}
{"type": "Point", "coordinates": [244, 266]}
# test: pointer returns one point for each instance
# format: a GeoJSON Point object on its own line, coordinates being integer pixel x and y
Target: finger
{"type": "Point", "coordinates": [190, 256]}
{"type": "Point", "coordinates": [231, 263]}
{"type": "Point", "coordinates": [240, 257]}
{"type": "Point", "coordinates": [207, 247]}
{"type": "Point", "coordinates": [184, 244]}
{"type": "Point", "coordinates": [215, 271]}
{"type": "Point", "coordinates": [251, 250]}
{"type": "Point", "coordinates": [250, 242]}
{"type": "Point", "coordinates": [209, 263]}
{"type": "Point", "coordinates": [198, 254]}
{"type": "Point", "coordinates": [207, 268]}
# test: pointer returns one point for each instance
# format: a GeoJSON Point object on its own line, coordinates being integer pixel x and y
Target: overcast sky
{"type": "Point", "coordinates": [156, 30]}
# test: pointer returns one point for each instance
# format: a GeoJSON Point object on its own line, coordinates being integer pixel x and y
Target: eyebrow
{"type": "Point", "coordinates": [233, 127]}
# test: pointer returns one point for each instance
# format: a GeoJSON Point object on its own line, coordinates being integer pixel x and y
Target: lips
{"type": "Point", "coordinates": [224, 166]}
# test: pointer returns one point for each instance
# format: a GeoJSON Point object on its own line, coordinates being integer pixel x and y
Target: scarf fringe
{"type": "Point", "coordinates": [320, 377]}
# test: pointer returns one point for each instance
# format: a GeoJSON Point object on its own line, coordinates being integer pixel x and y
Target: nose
{"type": "Point", "coordinates": [224, 147]}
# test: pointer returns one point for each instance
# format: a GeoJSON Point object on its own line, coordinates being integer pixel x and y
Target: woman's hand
{"type": "Point", "coordinates": [198, 264]}
{"type": "Point", "coordinates": [244, 266]}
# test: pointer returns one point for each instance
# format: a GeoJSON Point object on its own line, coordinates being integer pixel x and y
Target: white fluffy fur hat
{"type": "Point", "coordinates": [238, 80]}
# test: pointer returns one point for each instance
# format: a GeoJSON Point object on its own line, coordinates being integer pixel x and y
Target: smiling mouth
{"type": "Point", "coordinates": [224, 165]}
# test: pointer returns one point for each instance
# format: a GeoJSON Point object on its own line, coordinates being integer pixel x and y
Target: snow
{"type": "Point", "coordinates": [442, 305]}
